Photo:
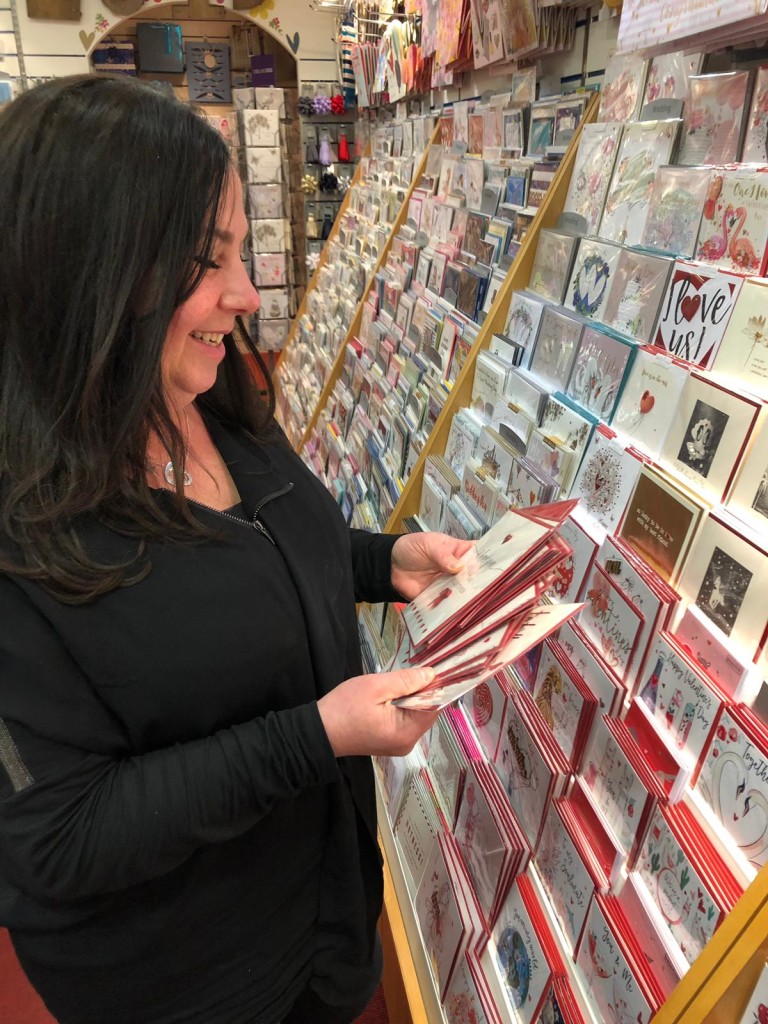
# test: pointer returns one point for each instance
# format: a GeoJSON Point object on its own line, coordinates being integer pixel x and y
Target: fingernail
{"type": "Point", "coordinates": [455, 566]}
{"type": "Point", "coordinates": [428, 674]}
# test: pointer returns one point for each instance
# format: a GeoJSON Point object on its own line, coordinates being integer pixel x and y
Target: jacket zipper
{"type": "Point", "coordinates": [255, 521]}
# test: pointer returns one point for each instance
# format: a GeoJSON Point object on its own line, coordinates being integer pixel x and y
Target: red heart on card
{"type": "Point", "coordinates": [689, 307]}
{"type": "Point", "coordinates": [646, 401]}
{"type": "Point", "coordinates": [762, 1013]}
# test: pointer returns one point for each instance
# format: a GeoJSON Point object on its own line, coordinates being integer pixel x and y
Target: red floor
{"type": "Point", "coordinates": [19, 1004]}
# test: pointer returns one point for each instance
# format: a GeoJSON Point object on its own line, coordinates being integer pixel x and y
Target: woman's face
{"type": "Point", "coordinates": [194, 344]}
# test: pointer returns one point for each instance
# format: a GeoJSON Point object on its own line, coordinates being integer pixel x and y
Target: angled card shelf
{"type": "Point", "coordinates": [516, 279]}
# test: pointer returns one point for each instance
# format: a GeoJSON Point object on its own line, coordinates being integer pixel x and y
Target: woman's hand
{"type": "Point", "coordinates": [419, 558]}
{"type": "Point", "coordinates": [359, 717]}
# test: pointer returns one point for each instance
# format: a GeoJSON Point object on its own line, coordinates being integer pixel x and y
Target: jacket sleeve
{"type": "Point", "coordinates": [82, 815]}
{"type": "Point", "coordinates": [372, 566]}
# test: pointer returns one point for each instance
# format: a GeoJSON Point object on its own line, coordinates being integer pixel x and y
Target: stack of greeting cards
{"type": "Point", "coordinates": [564, 700]}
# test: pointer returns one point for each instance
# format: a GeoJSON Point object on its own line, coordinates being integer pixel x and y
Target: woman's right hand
{"type": "Point", "coordinates": [359, 717]}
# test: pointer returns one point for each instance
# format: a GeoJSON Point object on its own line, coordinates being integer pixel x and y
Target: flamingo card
{"type": "Point", "coordinates": [714, 117]}
{"type": "Point", "coordinates": [734, 229]}
{"type": "Point", "coordinates": [695, 311]}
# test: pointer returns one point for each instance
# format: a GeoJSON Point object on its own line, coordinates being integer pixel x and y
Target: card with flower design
{"type": "Point", "coordinates": [714, 118]}
{"type": "Point", "coordinates": [645, 146]}
{"type": "Point", "coordinates": [647, 404]}
{"type": "Point", "coordinates": [557, 343]}
{"type": "Point", "coordinates": [748, 497]}
{"type": "Point", "coordinates": [636, 292]}
{"type": "Point", "coordinates": [592, 172]}
{"type": "Point", "coordinates": [734, 229]}
{"type": "Point", "coordinates": [676, 205]}
{"type": "Point", "coordinates": [660, 523]}
{"type": "Point", "coordinates": [572, 572]}
{"type": "Point", "coordinates": [523, 319]}
{"type": "Point", "coordinates": [734, 782]}
{"type": "Point", "coordinates": [708, 435]}
{"type": "Point", "coordinates": [591, 277]}
{"type": "Point", "coordinates": [743, 354]}
{"type": "Point", "coordinates": [487, 37]}
{"type": "Point", "coordinates": [756, 1011]}
{"type": "Point", "coordinates": [669, 74]}
{"type": "Point", "coordinates": [552, 264]}
{"type": "Point", "coordinates": [755, 149]}
{"type": "Point", "coordinates": [695, 311]}
{"type": "Point", "coordinates": [612, 985]}
{"type": "Point", "coordinates": [599, 369]}
{"type": "Point", "coordinates": [611, 621]}
{"type": "Point", "coordinates": [463, 1001]}
{"type": "Point", "coordinates": [726, 577]}
{"type": "Point", "coordinates": [622, 89]}
{"type": "Point", "coordinates": [606, 478]}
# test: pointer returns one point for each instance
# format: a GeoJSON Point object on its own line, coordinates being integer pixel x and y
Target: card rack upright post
{"type": "Point", "coordinates": [354, 326]}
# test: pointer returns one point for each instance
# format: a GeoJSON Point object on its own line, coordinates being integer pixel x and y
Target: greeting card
{"type": "Point", "coordinates": [748, 497]}
{"type": "Point", "coordinates": [602, 681]}
{"type": "Point", "coordinates": [564, 874]}
{"type": "Point", "coordinates": [599, 370]}
{"type": "Point", "coordinates": [695, 311]}
{"type": "Point", "coordinates": [757, 1008]}
{"type": "Point", "coordinates": [523, 319]}
{"type": "Point", "coordinates": [606, 479]}
{"type": "Point", "coordinates": [594, 265]}
{"type": "Point", "coordinates": [485, 707]}
{"type": "Point", "coordinates": [441, 916]}
{"type": "Point", "coordinates": [622, 88]}
{"type": "Point", "coordinates": [756, 137]}
{"type": "Point", "coordinates": [676, 206]}
{"type": "Point", "coordinates": [612, 621]}
{"type": "Point", "coordinates": [645, 146]}
{"type": "Point", "coordinates": [463, 1002]}
{"type": "Point", "coordinates": [557, 343]}
{"type": "Point", "coordinates": [669, 74]}
{"type": "Point", "coordinates": [572, 572]}
{"type": "Point", "coordinates": [708, 434]}
{"type": "Point", "coordinates": [743, 354]}
{"type": "Point", "coordinates": [714, 117]}
{"type": "Point", "coordinates": [734, 229]}
{"type": "Point", "coordinates": [560, 701]}
{"type": "Point", "coordinates": [541, 131]}
{"type": "Point", "coordinates": [519, 957]}
{"type": "Point", "coordinates": [647, 404]}
{"type": "Point", "coordinates": [487, 20]}
{"type": "Point", "coordinates": [551, 264]}
{"type": "Point", "coordinates": [592, 172]}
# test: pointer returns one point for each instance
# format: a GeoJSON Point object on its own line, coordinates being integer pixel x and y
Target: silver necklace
{"type": "Point", "coordinates": [169, 471]}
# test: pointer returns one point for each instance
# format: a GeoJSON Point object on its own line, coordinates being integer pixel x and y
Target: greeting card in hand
{"type": "Point", "coordinates": [645, 146]}
{"type": "Point", "coordinates": [734, 229]}
{"type": "Point", "coordinates": [635, 295]}
{"type": "Point", "coordinates": [660, 522]}
{"type": "Point", "coordinates": [714, 117]}
{"type": "Point", "coordinates": [592, 172]}
{"type": "Point", "coordinates": [591, 277]}
{"type": "Point", "coordinates": [622, 88]}
{"type": "Point", "coordinates": [755, 149]}
{"type": "Point", "coordinates": [551, 264]}
{"type": "Point", "coordinates": [695, 311]}
{"type": "Point", "coordinates": [523, 319]}
{"type": "Point", "coordinates": [557, 343]}
{"type": "Point", "coordinates": [606, 478]}
{"type": "Point", "coordinates": [708, 435]}
{"type": "Point", "coordinates": [743, 354]}
{"type": "Point", "coordinates": [726, 577]}
{"type": "Point", "coordinates": [599, 369]}
{"type": "Point", "coordinates": [647, 404]}
{"type": "Point", "coordinates": [676, 205]}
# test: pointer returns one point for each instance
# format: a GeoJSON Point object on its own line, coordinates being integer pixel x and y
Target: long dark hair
{"type": "Point", "coordinates": [108, 193]}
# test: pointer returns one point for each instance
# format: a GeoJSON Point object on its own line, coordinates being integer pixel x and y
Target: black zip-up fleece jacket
{"type": "Point", "coordinates": [177, 841]}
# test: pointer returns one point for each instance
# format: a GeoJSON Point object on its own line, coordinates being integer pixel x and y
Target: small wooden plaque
{"type": "Point", "coordinates": [54, 10]}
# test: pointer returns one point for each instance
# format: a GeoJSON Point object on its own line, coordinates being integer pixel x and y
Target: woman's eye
{"type": "Point", "coordinates": [207, 264]}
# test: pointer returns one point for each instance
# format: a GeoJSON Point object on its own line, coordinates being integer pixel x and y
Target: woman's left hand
{"type": "Point", "coordinates": [418, 559]}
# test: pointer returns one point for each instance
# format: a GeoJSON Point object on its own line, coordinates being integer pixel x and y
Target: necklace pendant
{"type": "Point", "coordinates": [170, 475]}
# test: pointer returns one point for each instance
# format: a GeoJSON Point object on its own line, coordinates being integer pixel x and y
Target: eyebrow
{"type": "Point", "coordinates": [227, 237]}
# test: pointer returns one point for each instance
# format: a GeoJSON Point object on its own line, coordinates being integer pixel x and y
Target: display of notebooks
{"type": "Point", "coordinates": [557, 343]}
{"type": "Point", "coordinates": [708, 434]}
{"type": "Point", "coordinates": [647, 404]}
{"type": "Point", "coordinates": [622, 90]}
{"type": "Point", "coordinates": [606, 478]}
{"type": "Point", "coordinates": [594, 265]}
{"type": "Point", "coordinates": [660, 522]}
{"type": "Point", "coordinates": [645, 146]}
{"type": "Point", "coordinates": [523, 319]}
{"type": "Point", "coordinates": [714, 118]}
{"type": "Point", "coordinates": [592, 173]}
{"type": "Point", "coordinates": [755, 150]}
{"type": "Point", "coordinates": [733, 781]}
{"type": "Point", "coordinates": [695, 311]}
{"type": "Point", "coordinates": [637, 289]}
{"type": "Point", "coordinates": [599, 370]}
{"type": "Point", "coordinates": [675, 209]}
{"type": "Point", "coordinates": [743, 354]}
{"type": "Point", "coordinates": [551, 264]}
{"type": "Point", "coordinates": [734, 230]}
{"type": "Point", "coordinates": [726, 577]}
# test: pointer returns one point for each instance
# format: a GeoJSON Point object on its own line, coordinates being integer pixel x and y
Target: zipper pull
{"type": "Point", "coordinates": [258, 525]}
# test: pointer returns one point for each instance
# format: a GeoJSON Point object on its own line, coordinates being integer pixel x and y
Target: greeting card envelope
{"type": "Point", "coordinates": [556, 345]}
{"type": "Point", "coordinates": [551, 264]}
{"type": "Point", "coordinates": [606, 478]}
{"type": "Point", "coordinates": [734, 229]}
{"type": "Point", "coordinates": [572, 572]}
{"type": "Point", "coordinates": [636, 292]}
{"type": "Point", "coordinates": [714, 118]}
{"type": "Point", "coordinates": [676, 206]}
{"type": "Point", "coordinates": [645, 146]}
{"type": "Point", "coordinates": [599, 369]}
{"type": "Point", "coordinates": [647, 404]}
{"type": "Point", "coordinates": [592, 172]}
{"type": "Point", "coordinates": [734, 782]}
{"type": "Point", "coordinates": [710, 431]}
{"type": "Point", "coordinates": [592, 273]}
{"type": "Point", "coordinates": [695, 311]}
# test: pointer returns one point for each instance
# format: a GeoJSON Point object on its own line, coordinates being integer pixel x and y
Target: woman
{"type": "Point", "coordinates": [187, 832]}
